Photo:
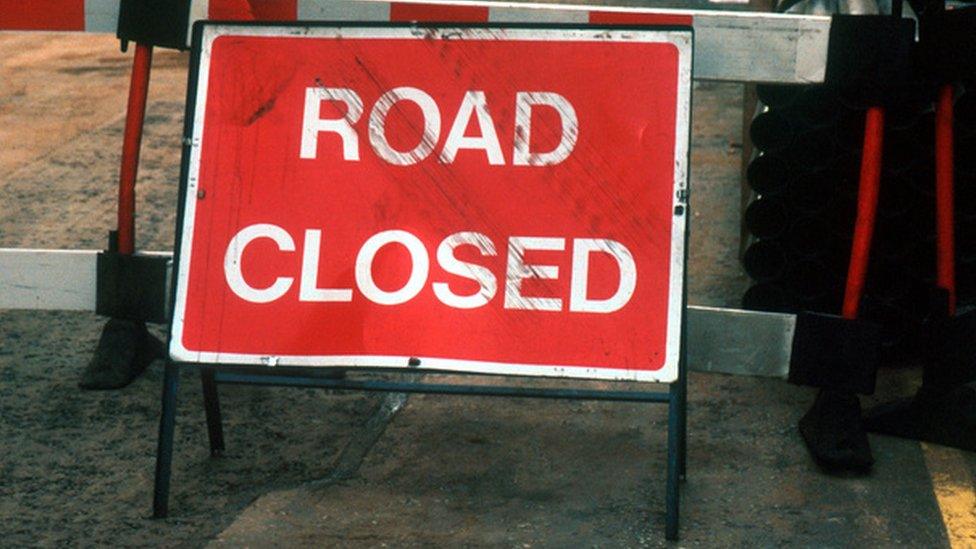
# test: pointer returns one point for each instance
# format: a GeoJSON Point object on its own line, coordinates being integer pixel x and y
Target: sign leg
{"type": "Point", "coordinates": [211, 406]}
{"type": "Point", "coordinates": [164, 450]}
{"type": "Point", "coordinates": [674, 465]}
{"type": "Point", "coordinates": [683, 423]}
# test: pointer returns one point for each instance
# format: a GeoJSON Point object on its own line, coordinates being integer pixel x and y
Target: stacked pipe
{"type": "Point", "coordinates": [805, 183]}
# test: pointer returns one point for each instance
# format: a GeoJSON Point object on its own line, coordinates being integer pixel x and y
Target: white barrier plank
{"type": "Point", "coordinates": [101, 15]}
{"type": "Point", "coordinates": [732, 341]}
{"type": "Point", "coordinates": [47, 279]}
{"type": "Point", "coordinates": [755, 47]}
{"type": "Point", "coordinates": [723, 340]}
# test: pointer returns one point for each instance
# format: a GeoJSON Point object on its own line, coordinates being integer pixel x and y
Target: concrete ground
{"type": "Point", "coordinates": [321, 469]}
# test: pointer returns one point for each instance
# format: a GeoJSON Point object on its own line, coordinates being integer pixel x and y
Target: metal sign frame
{"type": "Point", "coordinates": [197, 101]}
{"type": "Point", "coordinates": [301, 375]}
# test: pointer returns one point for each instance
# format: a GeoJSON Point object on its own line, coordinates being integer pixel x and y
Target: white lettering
{"type": "Point", "coordinates": [474, 103]}
{"type": "Point", "coordinates": [232, 263]}
{"type": "Point", "coordinates": [308, 290]}
{"type": "Point", "coordinates": [312, 124]}
{"type": "Point", "coordinates": [578, 300]}
{"type": "Point", "coordinates": [377, 126]}
{"type": "Point", "coordinates": [524, 101]}
{"type": "Point", "coordinates": [481, 275]}
{"type": "Point", "coordinates": [420, 267]}
{"type": "Point", "coordinates": [518, 271]}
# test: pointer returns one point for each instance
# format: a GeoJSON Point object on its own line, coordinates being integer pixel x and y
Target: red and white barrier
{"type": "Point", "coordinates": [59, 15]}
{"type": "Point", "coordinates": [731, 46]}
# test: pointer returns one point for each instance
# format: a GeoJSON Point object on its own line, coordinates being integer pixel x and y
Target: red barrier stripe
{"type": "Point", "coordinates": [630, 18]}
{"type": "Point", "coordinates": [134, 117]}
{"type": "Point", "coordinates": [54, 15]}
{"type": "Point", "coordinates": [944, 199]}
{"type": "Point", "coordinates": [253, 10]}
{"type": "Point", "coordinates": [867, 209]}
{"type": "Point", "coordinates": [433, 13]}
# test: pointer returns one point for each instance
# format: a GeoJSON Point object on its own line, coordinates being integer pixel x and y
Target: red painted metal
{"type": "Point", "coordinates": [867, 208]}
{"type": "Point", "coordinates": [627, 18]}
{"type": "Point", "coordinates": [944, 200]}
{"type": "Point", "coordinates": [433, 13]}
{"type": "Point", "coordinates": [51, 15]}
{"type": "Point", "coordinates": [134, 116]}
{"type": "Point", "coordinates": [253, 10]}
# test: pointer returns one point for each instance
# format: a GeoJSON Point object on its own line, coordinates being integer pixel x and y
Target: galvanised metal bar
{"type": "Point", "coordinates": [729, 45]}
{"type": "Point", "coordinates": [727, 340]}
{"type": "Point", "coordinates": [233, 378]}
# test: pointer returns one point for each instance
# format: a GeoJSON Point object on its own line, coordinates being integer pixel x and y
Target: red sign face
{"type": "Point", "coordinates": [491, 200]}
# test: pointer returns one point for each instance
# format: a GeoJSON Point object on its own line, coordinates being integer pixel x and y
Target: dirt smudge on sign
{"type": "Point", "coordinates": [262, 110]}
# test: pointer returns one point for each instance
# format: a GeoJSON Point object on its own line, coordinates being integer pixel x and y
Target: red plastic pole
{"type": "Point", "coordinates": [134, 116]}
{"type": "Point", "coordinates": [867, 209]}
{"type": "Point", "coordinates": [944, 215]}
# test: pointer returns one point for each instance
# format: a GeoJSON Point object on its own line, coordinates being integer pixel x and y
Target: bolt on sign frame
{"type": "Point", "coordinates": [259, 168]}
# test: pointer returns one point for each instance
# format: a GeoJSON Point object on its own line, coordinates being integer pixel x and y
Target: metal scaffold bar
{"type": "Point", "coordinates": [729, 45]}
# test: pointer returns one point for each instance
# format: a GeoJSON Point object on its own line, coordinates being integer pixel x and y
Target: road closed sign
{"type": "Point", "coordinates": [499, 200]}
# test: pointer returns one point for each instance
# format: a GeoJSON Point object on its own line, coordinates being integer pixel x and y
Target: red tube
{"type": "Point", "coordinates": [944, 218]}
{"type": "Point", "coordinates": [867, 209]}
{"type": "Point", "coordinates": [134, 116]}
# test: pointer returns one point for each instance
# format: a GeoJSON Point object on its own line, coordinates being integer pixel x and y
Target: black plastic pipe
{"type": "Point", "coordinates": [764, 260]}
{"type": "Point", "coordinates": [772, 131]}
{"type": "Point", "coordinates": [768, 174]}
{"type": "Point", "coordinates": [768, 296]}
{"type": "Point", "coordinates": [767, 217]}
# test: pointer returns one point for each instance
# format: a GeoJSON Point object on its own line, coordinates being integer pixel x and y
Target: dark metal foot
{"type": "Point", "coordinates": [834, 433]}
{"type": "Point", "coordinates": [124, 351]}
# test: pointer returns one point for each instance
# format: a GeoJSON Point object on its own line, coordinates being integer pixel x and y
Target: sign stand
{"type": "Point", "coordinates": [211, 376]}
{"type": "Point", "coordinates": [308, 133]}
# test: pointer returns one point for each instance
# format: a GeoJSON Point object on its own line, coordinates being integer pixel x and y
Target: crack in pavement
{"type": "Point", "coordinates": [353, 455]}
{"type": "Point", "coordinates": [294, 503]}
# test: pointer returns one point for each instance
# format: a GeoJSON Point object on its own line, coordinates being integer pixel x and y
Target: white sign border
{"type": "Point", "coordinates": [682, 40]}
